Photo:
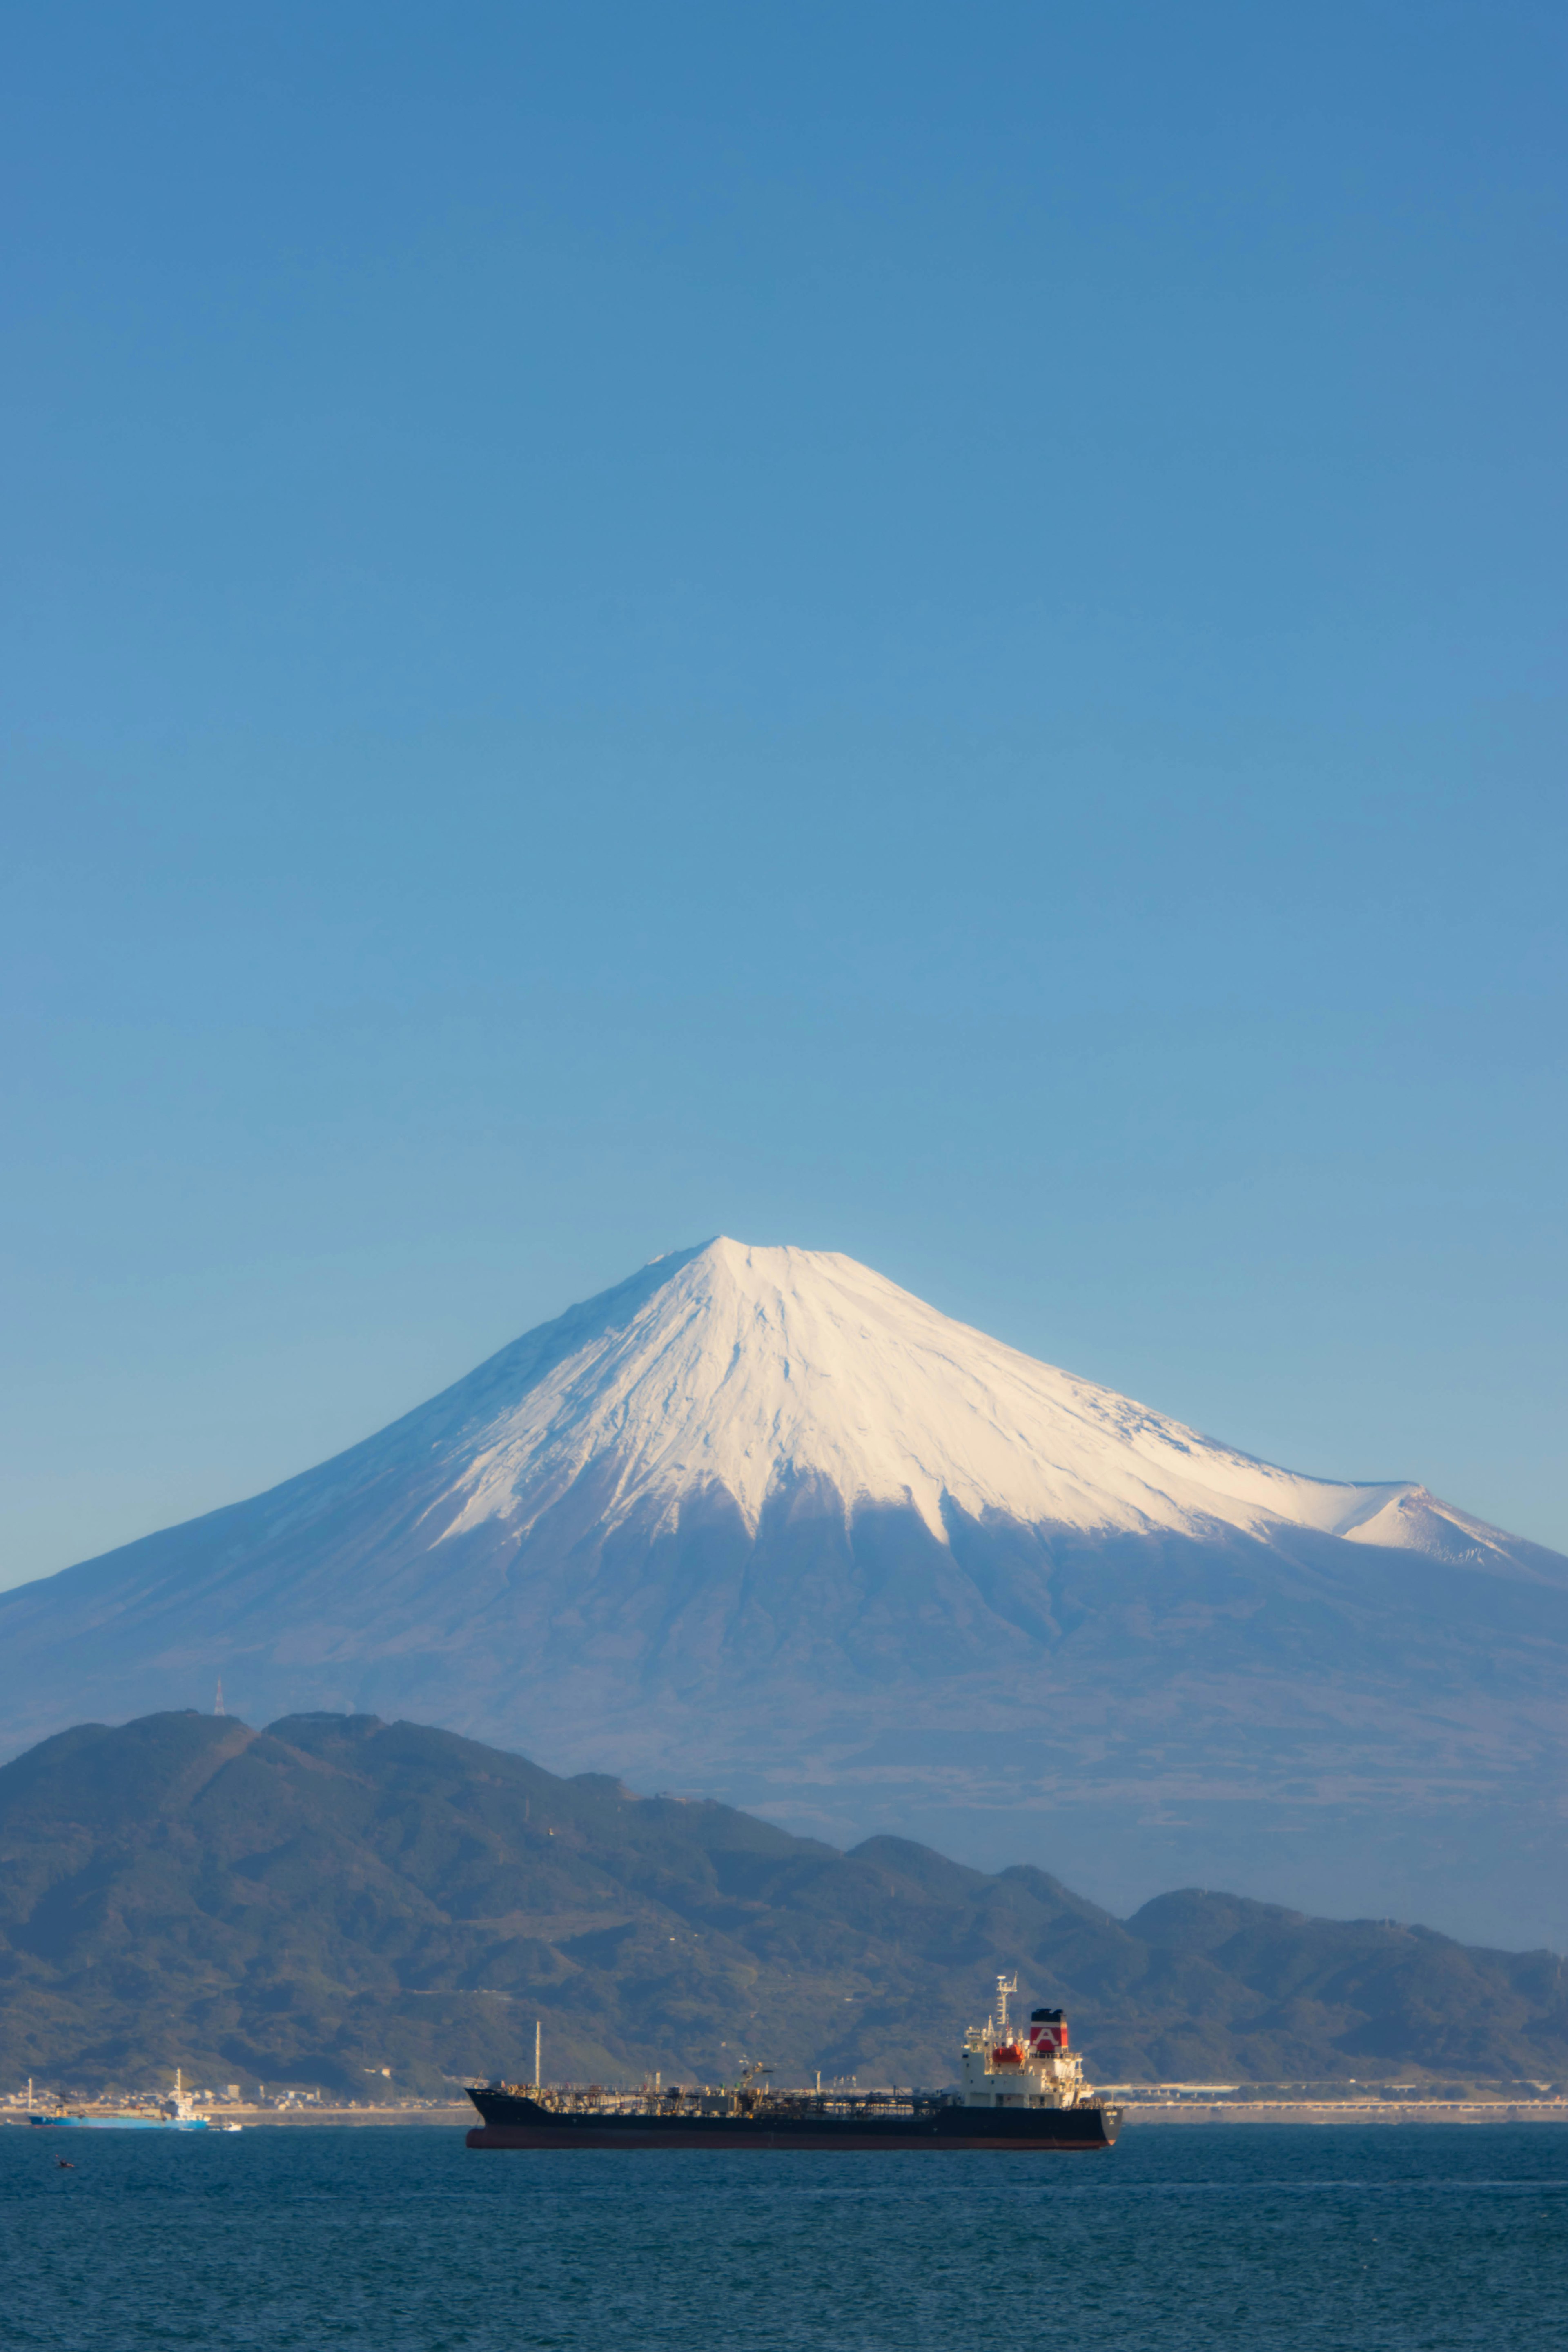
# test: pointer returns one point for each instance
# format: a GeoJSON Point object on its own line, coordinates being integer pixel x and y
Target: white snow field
{"type": "Point", "coordinates": [760, 1525]}
{"type": "Point", "coordinates": [751, 1368]}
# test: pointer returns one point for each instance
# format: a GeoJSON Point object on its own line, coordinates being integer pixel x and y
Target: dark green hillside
{"type": "Point", "coordinates": [337, 1893]}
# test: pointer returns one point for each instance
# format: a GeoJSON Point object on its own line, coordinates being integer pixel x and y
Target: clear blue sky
{"type": "Point", "coordinates": [932, 631]}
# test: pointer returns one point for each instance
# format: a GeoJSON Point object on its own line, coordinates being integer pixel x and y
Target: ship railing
{"type": "Point", "coordinates": [593, 2099]}
{"type": "Point", "coordinates": [856, 2103]}
{"type": "Point", "coordinates": [567, 2099]}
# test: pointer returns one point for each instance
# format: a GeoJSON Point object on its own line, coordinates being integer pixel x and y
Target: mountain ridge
{"type": "Point", "coordinates": [333, 1895]}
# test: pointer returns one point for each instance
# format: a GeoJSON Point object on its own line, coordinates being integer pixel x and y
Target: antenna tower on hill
{"type": "Point", "coordinates": [218, 1707]}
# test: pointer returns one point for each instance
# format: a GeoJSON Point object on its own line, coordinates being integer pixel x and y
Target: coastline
{"type": "Point", "coordinates": [1178, 2112]}
{"type": "Point", "coordinates": [269, 2119]}
{"type": "Point", "coordinates": [266, 2119]}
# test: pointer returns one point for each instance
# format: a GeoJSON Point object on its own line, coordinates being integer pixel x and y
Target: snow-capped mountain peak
{"type": "Point", "coordinates": [747, 1369]}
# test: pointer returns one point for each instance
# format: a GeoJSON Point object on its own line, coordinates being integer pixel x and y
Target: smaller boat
{"type": "Point", "coordinates": [177, 2113]}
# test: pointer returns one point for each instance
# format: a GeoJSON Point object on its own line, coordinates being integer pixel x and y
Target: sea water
{"type": "Point", "coordinates": [1270, 2238]}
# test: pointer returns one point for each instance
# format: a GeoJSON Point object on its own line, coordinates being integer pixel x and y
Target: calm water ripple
{"type": "Point", "coordinates": [1270, 2238]}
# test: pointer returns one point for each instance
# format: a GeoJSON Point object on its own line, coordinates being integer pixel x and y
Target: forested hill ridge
{"type": "Point", "coordinates": [336, 1894]}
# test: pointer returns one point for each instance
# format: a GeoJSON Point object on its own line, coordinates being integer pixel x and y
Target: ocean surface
{"type": "Point", "coordinates": [1259, 2236]}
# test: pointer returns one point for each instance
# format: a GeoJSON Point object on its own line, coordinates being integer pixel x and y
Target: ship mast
{"type": "Point", "coordinates": [1004, 1986]}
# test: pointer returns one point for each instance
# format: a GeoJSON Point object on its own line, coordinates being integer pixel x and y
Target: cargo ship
{"type": "Point", "coordinates": [1021, 2091]}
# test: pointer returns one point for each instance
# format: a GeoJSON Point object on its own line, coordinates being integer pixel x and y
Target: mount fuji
{"type": "Point", "coordinates": [760, 1523]}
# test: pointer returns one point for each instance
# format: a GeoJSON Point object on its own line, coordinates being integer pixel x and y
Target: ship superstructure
{"type": "Point", "coordinates": [1029, 2084]}
{"type": "Point", "coordinates": [1005, 2067]}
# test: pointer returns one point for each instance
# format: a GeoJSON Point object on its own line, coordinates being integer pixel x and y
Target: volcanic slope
{"type": "Point", "coordinates": [335, 1895]}
{"type": "Point", "coordinates": [759, 1522]}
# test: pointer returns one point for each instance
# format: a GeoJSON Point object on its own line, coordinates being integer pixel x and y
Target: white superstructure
{"type": "Point", "coordinates": [1007, 2066]}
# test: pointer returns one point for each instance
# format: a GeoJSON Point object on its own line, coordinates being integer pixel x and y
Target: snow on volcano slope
{"type": "Point", "coordinates": [749, 1369]}
{"type": "Point", "coordinates": [759, 1522]}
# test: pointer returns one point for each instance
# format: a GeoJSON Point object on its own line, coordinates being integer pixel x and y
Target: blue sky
{"type": "Point", "coordinates": [929, 631]}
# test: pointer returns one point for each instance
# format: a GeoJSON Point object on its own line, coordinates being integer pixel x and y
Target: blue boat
{"type": "Point", "coordinates": [179, 2116]}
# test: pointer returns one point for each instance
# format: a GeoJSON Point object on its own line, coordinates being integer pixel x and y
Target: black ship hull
{"type": "Point", "coordinates": [511, 2120]}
